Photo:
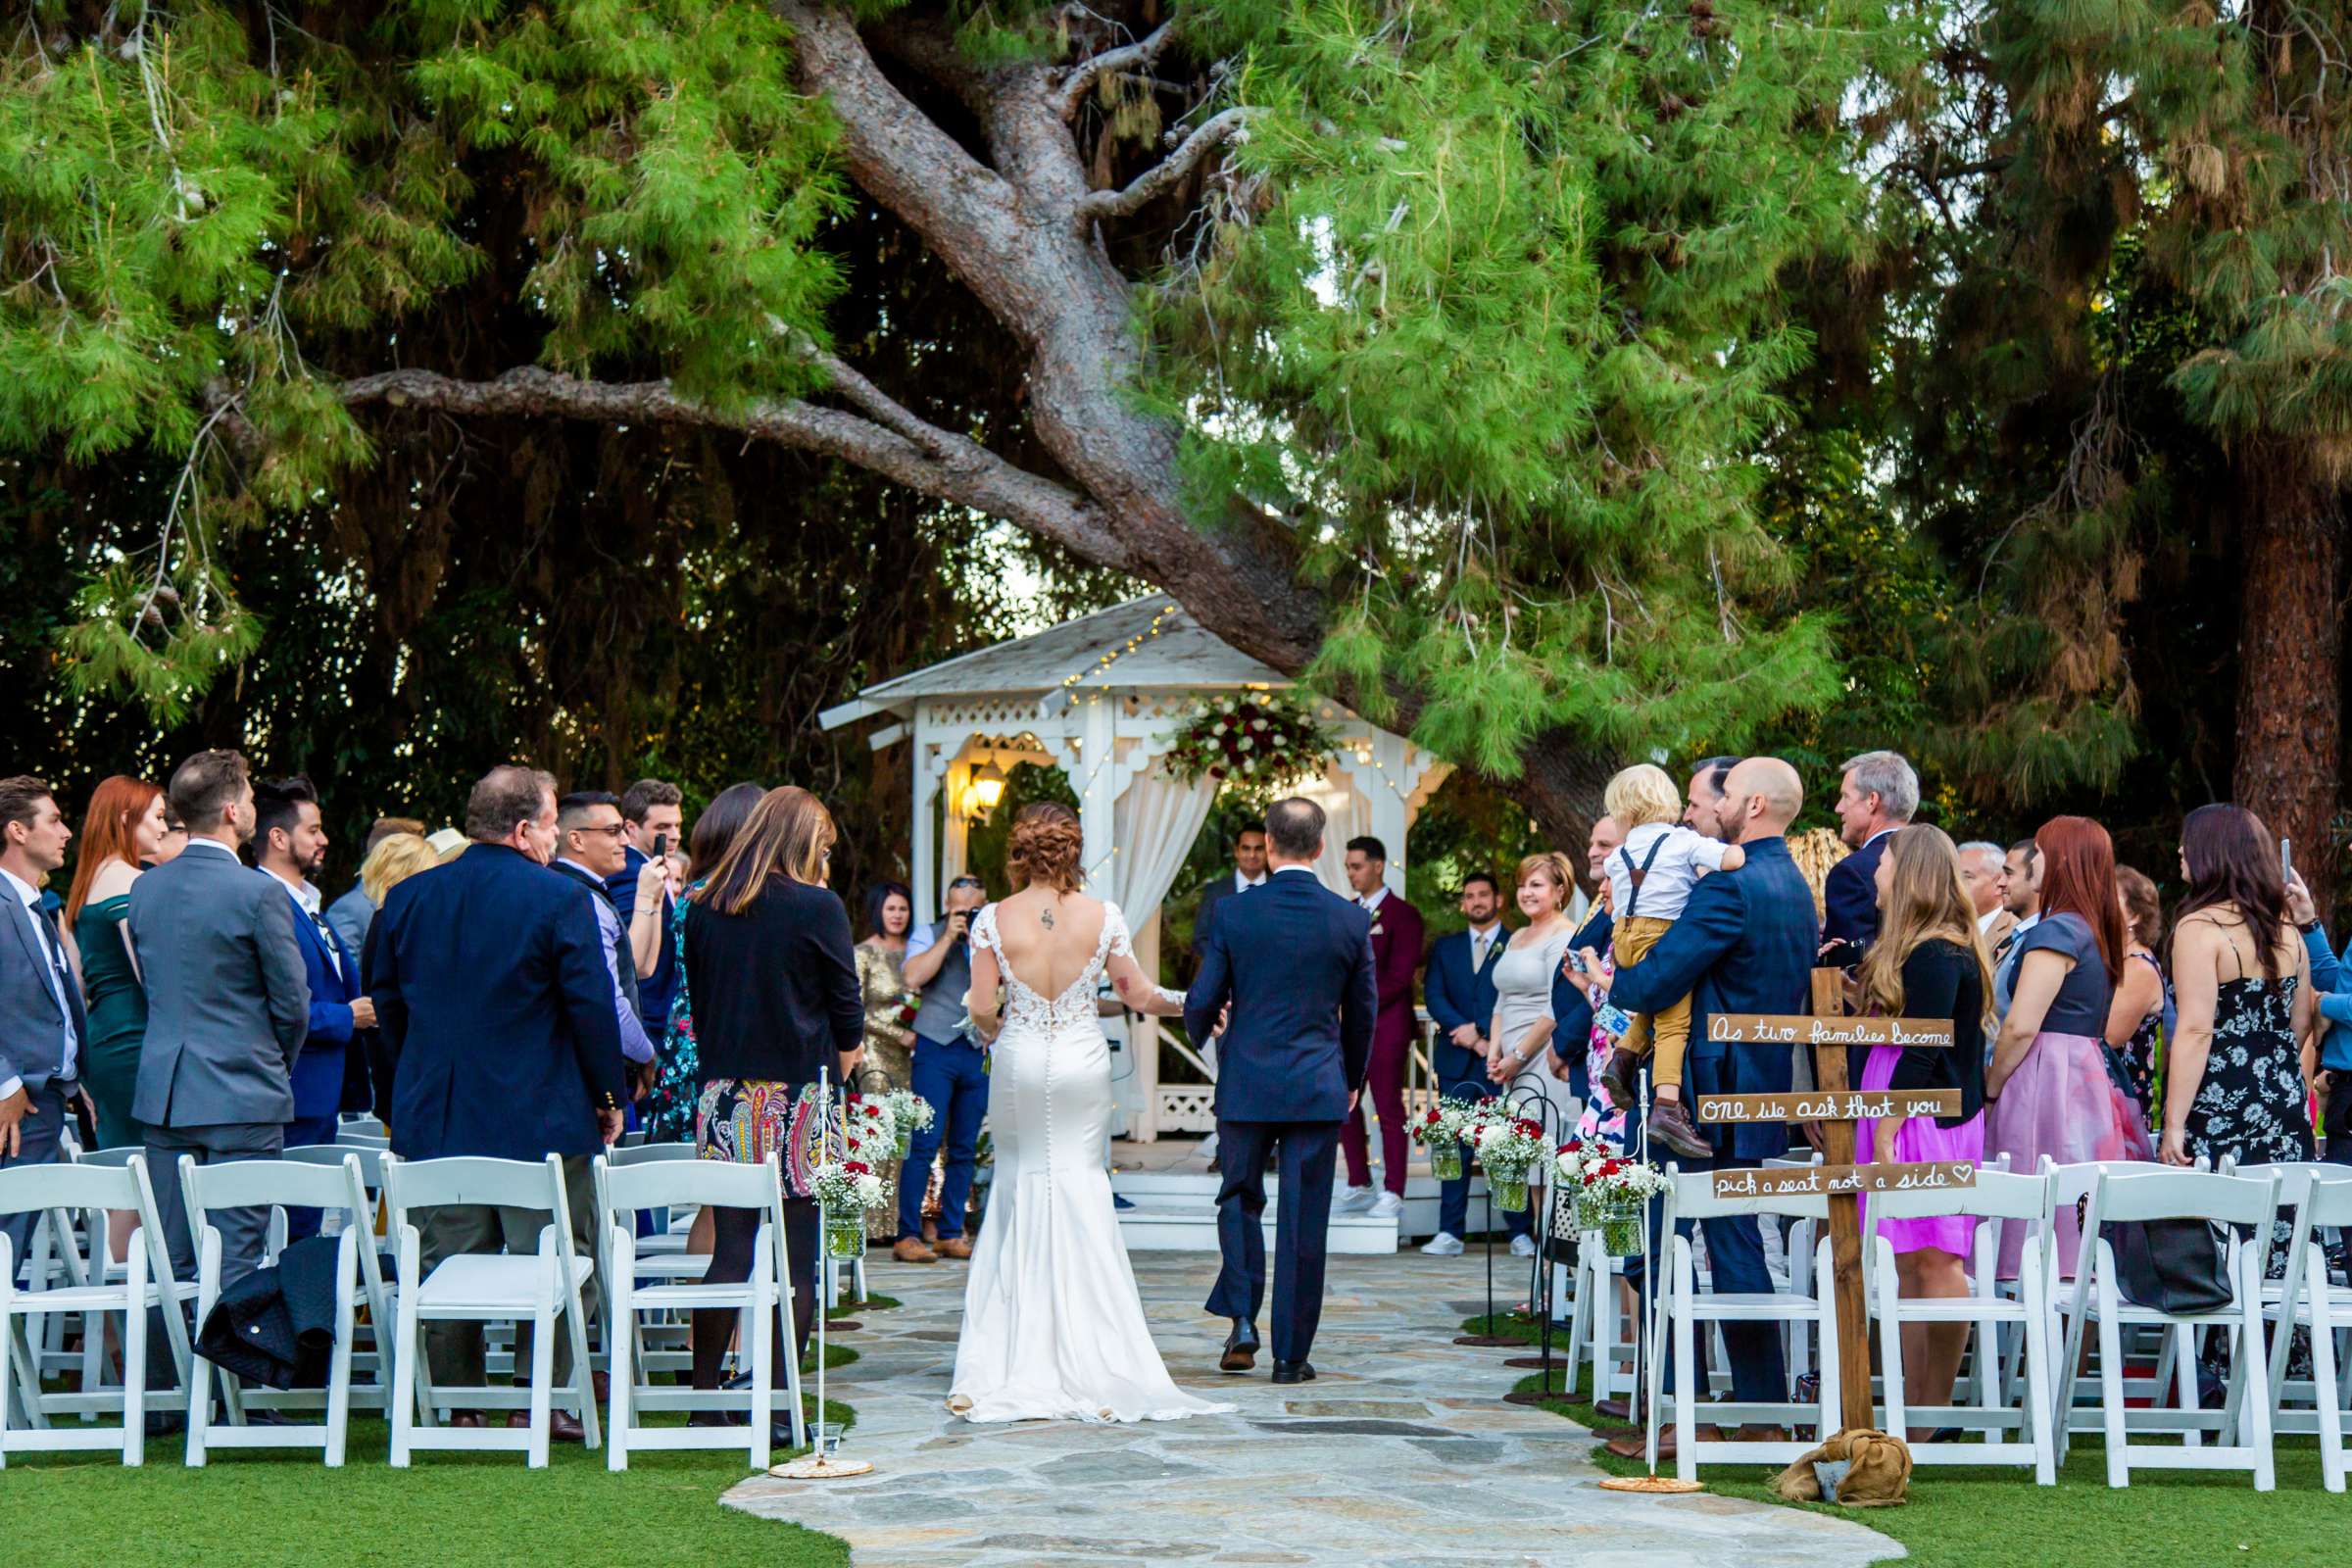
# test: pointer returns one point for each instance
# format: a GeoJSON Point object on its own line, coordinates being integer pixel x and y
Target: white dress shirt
{"type": "Point", "coordinates": [1243, 884]}
{"type": "Point", "coordinates": [60, 974]}
{"type": "Point", "coordinates": [1482, 942]}
{"type": "Point", "coordinates": [308, 900]}
{"type": "Point", "coordinates": [1372, 900]}
{"type": "Point", "coordinates": [635, 1044]}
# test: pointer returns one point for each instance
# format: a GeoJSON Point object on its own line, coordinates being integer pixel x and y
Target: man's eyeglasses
{"type": "Point", "coordinates": [965, 882]}
{"type": "Point", "coordinates": [614, 830]}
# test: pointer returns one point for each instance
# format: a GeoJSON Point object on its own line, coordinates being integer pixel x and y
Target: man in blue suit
{"type": "Point", "coordinates": [1294, 961]}
{"type": "Point", "coordinates": [495, 997]}
{"type": "Point", "coordinates": [1878, 793]}
{"type": "Point", "coordinates": [1744, 943]}
{"type": "Point", "coordinates": [1249, 871]}
{"type": "Point", "coordinates": [289, 842]}
{"type": "Point", "coordinates": [1459, 993]}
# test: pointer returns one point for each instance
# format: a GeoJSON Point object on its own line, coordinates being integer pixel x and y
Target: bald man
{"type": "Point", "coordinates": [1744, 943]}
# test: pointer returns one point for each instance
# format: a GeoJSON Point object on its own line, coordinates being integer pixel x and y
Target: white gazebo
{"type": "Point", "coordinates": [1101, 698]}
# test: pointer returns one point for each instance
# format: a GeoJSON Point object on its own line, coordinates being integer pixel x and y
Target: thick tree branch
{"type": "Point", "coordinates": [1158, 179]}
{"type": "Point", "coordinates": [1081, 79]}
{"type": "Point", "coordinates": [947, 466]}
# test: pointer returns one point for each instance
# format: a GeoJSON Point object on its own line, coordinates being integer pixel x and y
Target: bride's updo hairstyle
{"type": "Point", "coordinates": [1045, 845]}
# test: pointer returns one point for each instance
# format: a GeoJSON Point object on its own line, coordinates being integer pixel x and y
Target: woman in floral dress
{"type": "Point", "coordinates": [669, 1108]}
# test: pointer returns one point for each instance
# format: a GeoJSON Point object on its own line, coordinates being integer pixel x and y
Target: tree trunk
{"type": "Point", "coordinates": [2290, 699]}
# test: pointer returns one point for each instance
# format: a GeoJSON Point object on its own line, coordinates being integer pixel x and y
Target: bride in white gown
{"type": "Point", "coordinates": [1052, 1326]}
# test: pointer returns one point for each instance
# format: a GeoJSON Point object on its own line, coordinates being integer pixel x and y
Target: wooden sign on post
{"type": "Point", "coordinates": [1836, 1108]}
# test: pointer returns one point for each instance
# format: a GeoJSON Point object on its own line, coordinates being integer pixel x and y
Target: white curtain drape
{"type": "Point", "coordinates": [1344, 816]}
{"type": "Point", "coordinates": [1154, 825]}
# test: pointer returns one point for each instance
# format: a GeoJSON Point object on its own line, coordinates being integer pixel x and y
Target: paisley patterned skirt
{"type": "Point", "coordinates": [745, 1120]}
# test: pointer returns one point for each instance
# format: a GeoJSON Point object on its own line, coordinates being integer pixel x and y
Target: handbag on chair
{"type": "Point", "coordinates": [2171, 1265]}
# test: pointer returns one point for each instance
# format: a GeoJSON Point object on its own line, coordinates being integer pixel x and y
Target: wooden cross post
{"type": "Point", "coordinates": [1836, 1108]}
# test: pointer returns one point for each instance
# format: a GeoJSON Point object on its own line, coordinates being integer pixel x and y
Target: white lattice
{"type": "Point", "coordinates": [1188, 1108]}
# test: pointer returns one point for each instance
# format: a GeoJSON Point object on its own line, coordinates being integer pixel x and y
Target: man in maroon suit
{"type": "Point", "coordinates": [1395, 958]}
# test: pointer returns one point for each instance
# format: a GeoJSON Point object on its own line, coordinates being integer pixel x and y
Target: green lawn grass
{"type": "Point", "coordinates": [1967, 1517]}
{"type": "Point", "coordinates": [447, 1510]}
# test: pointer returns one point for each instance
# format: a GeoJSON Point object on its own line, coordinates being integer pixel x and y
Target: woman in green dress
{"type": "Point", "coordinates": [123, 830]}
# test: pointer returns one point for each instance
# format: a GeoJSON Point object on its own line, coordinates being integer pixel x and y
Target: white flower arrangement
{"type": "Point", "coordinates": [1508, 1146]}
{"type": "Point", "coordinates": [910, 1112]}
{"type": "Point", "coordinates": [1613, 1179]}
{"type": "Point", "coordinates": [1573, 1157]}
{"type": "Point", "coordinates": [1443, 1122]}
{"type": "Point", "coordinates": [849, 1187]}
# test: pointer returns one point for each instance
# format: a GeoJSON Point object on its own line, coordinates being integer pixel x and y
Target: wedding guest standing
{"type": "Point", "coordinates": [124, 827]}
{"type": "Point", "coordinates": [1519, 1037]}
{"type": "Point", "coordinates": [42, 1026]}
{"type": "Point", "coordinates": [353, 913]}
{"type": "Point", "coordinates": [1581, 1048]}
{"type": "Point", "coordinates": [775, 995]}
{"type": "Point", "coordinates": [2021, 912]}
{"type": "Point", "coordinates": [289, 843]}
{"type": "Point", "coordinates": [2140, 1019]}
{"type": "Point", "coordinates": [228, 1005]}
{"type": "Point", "coordinates": [950, 1070]}
{"type": "Point", "coordinates": [2048, 1090]}
{"type": "Point", "coordinates": [653, 818]}
{"type": "Point", "coordinates": [2332, 985]}
{"type": "Point", "coordinates": [396, 858]}
{"type": "Point", "coordinates": [494, 991]}
{"type": "Point", "coordinates": [677, 1089]}
{"type": "Point", "coordinates": [1461, 993]}
{"type": "Point", "coordinates": [2237, 1078]}
{"type": "Point", "coordinates": [1878, 794]}
{"type": "Point", "coordinates": [1981, 873]}
{"type": "Point", "coordinates": [1928, 962]}
{"type": "Point", "coordinates": [882, 986]}
{"type": "Point", "coordinates": [1397, 938]}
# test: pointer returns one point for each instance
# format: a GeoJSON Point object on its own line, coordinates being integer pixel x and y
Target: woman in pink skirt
{"type": "Point", "coordinates": [1928, 962]}
{"type": "Point", "coordinates": [2048, 1090]}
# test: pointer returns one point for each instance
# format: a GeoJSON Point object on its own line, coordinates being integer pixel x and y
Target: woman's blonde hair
{"type": "Point", "coordinates": [1926, 902]}
{"type": "Point", "coordinates": [392, 862]}
{"type": "Point", "coordinates": [1641, 795]}
{"type": "Point", "coordinates": [1554, 865]}
{"type": "Point", "coordinates": [789, 832]}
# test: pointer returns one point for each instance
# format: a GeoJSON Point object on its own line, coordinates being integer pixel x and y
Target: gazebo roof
{"type": "Point", "coordinates": [1169, 649]}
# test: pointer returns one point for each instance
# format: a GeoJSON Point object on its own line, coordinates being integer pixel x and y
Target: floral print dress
{"type": "Point", "coordinates": [2251, 1105]}
{"type": "Point", "coordinates": [672, 1104]}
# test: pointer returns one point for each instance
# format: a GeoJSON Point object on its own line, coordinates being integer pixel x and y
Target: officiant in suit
{"type": "Point", "coordinates": [42, 1027]}
{"type": "Point", "coordinates": [1293, 959]}
{"type": "Point", "coordinates": [1745, 943]}
{"type": "Point", "coordinates": [289, 843]}
{"type": "Point", "coordinates": [1460, 994]}
{"type": "Point", "coordinates": [1249, 871]}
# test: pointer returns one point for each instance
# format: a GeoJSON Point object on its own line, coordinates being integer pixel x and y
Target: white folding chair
{"type": "Point", "coordinates": [1693, 1197]}
{"type": "Point", "coordinates": [2308, 1299]}
{"type": "Point", "coordinates": [1996, 1195]}
{"type": "Point", "coordinates": [2245, 1203]}
{"type": "Point", "coordinates": [52, 1192]}
{"type": "Point", "coordinates": [621, 1190]}
{"type": "Point", "coordinates": [253, 1184]}
{"type": "Point", "coordinates": [542, 1288]}
{"type": "Point", "coordinates": [370, 1349]}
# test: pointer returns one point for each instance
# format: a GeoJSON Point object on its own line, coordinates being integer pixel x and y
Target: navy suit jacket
{"type": "Point", "coordinates": [1850, 897]}
{"type": "Point", "coordinates": [1744, 943]}
{"type": "Point", "coordinates": [318, 1071]}
{"type": "Point", "coordinates": [1457, 995]}
{"type": "Point", "coordinates": [1571, 1014]}
{"type": "Point", "coordinates": [494, 993]}
{"type": "Point", "coordinates": [1294, 959]}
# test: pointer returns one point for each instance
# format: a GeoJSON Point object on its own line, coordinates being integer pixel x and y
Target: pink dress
{"type": "Point", "coordinates": [1919, 1138]}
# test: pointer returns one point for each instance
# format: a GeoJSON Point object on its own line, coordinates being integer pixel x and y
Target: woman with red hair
{"type": "Point", "coordinates": [2048, 1090]}
{"type": "Point", "coordinates": [125, 827]}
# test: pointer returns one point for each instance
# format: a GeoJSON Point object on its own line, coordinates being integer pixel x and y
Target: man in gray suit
{"type": "Point", "coordinates": [42, 1022]}
{"type": "Point", "coordinates": [228, 1008]}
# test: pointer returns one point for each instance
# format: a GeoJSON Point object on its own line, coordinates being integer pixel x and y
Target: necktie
{"type": "Point", "coordinates": [326, 939]}
{"type": "Point", "coordinates": [60, 978]}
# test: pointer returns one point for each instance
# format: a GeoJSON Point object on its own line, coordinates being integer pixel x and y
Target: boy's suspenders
{"type": "Point", "coordinates": [1636, 873]}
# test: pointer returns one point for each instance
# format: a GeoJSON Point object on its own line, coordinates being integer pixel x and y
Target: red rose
{"type": "Point", "coordinates": [857, 1168]}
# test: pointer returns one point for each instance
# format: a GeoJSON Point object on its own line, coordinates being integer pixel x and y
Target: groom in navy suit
{"type": "Point", "coordinates": [1295, 965]}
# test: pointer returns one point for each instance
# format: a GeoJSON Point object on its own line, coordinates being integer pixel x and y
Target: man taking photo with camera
{"type": "Point", "coordinates": [949, 1071]}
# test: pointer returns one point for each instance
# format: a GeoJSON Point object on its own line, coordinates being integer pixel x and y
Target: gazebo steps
{"type": "Point", "coordinates": [1155, 1226]}
{"type": "Point", "coordinates": [1192, 1194]}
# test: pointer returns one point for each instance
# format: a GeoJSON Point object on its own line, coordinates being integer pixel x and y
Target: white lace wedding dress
{"type": "Point", "coordinates": [1052, 1327]}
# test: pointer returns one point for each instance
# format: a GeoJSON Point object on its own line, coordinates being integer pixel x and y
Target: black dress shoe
{"type": "Point", "coordinates": [1241, 1347]}
{"type": "Point", "coordinates": [1293, 1372]}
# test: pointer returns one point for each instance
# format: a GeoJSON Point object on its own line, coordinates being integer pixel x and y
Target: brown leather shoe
{"type": "Point", "coordinates": [562, 1425]}
{"type": "Point", "coordinates": [1757, 1431]}
{"type": "Point", "coordinates": [1670, 1124]}
{"type": "Point", "coordinates": [466, 1418]}
{"type": "Point", "coordinates": [1615, 1410]}
{"type": "Point", "coordinates": [907, 1249]}
{"type": "Point", "coordinates": [954, 1247]}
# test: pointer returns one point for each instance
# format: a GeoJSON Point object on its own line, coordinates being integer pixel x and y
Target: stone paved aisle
{"type": "Point", "coordinates": [1400, 1455]}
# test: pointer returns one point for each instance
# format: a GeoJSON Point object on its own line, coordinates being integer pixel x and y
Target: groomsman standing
{"type": "Point", "coordinates": [1461, 992]}
{"type": "Point", "coordinates": [229, 1006]}
{"type": "Point", "coordinates": [290, 843]}
{"type": "Point", "coordinates": [1396, 957]}
{"type": "Point", "coordinates": [42, 1022]}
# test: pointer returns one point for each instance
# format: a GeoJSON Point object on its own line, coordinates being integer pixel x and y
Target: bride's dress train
{"type": "Point", "coordinates": [1052, 1326]}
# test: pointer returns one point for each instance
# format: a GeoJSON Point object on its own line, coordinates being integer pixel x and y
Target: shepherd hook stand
{"type": "Point", "coordinates": [1646, 1330]}
{"type": "Point", "coordinates": [821, 1463]}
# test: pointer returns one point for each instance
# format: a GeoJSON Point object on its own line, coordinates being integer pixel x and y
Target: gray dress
{"type": "Point", "coordinates": [1522, 1000]}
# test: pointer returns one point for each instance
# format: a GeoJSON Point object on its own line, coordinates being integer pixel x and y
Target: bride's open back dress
{"type": "Point", "coordinates": [1052, 1327]}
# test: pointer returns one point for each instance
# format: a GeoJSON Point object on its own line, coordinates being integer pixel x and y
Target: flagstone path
{"type": "Point", "coordinates": [1400, 1455]}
